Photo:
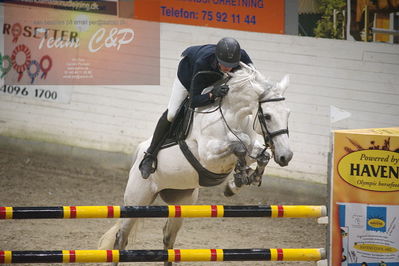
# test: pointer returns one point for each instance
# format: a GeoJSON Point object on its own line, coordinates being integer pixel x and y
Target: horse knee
{"type": "Point", "coordinates": [239, 151]}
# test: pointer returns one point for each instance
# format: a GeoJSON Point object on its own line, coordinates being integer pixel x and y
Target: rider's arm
{"type": "Point", "coordinates": [202, 100]}
{"type": "Point", "coordinates": [199, 99]}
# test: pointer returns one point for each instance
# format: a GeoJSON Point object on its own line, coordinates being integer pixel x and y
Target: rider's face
{"type": "Point", "coordinates": [224, 68]}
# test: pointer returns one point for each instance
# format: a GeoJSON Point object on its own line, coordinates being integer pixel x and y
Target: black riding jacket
{"type": "Point", "coordinates": [202, 58]}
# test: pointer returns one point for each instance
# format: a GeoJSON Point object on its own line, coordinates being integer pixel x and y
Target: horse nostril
{"type": "Point", "coordinates": [282, 159]}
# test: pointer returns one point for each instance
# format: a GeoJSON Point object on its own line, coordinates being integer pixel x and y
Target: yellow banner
{"type": "Point", "coordinates": [364, 193]}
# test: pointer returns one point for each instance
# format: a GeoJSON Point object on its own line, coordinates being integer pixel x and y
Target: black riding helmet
{"type": "Point", "coordinates": [228, 52]}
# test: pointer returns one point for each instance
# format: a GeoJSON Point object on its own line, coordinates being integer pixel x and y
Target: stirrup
{"type": "Point", "coordinates": [146, 165]}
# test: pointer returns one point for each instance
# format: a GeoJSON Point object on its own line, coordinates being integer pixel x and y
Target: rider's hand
{"type": "Point", "coordinates": [220, 91]}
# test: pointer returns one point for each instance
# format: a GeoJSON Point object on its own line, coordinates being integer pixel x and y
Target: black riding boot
{"type": "Point", "coordinates": [149, 163]}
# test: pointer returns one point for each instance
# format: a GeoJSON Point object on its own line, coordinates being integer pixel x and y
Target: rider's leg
{"type": "Point", "coordinates": [179, 93]}
{"type": "Point", "coordinates": [148, 164]}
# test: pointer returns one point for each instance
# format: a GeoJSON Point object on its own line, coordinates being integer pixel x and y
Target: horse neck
{"type": "Point", "coordinates": [239, 106]}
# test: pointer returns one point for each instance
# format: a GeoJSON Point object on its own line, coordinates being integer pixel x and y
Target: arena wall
{"type": "Point", "coordinates": [359, 78]}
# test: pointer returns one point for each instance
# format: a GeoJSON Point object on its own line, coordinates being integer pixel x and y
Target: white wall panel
{"type": "Point", "coordinates": [361, 78]}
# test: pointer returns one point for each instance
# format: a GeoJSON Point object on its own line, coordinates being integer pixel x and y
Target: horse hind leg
{"type": "Point", "coordinates": [117, 236]}
{"type": "Point", "coordinates": [122, 236]}
{"type": "Point", "coordinates": [108, 239]}
{"type": "Point", "coordinates": [138, 193]}
{"type": "Point", "coordinates": [173, 225]}
{"type": "Point", "coordinates": [111, 239]}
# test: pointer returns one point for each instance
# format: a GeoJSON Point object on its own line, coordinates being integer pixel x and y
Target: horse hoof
{"type": "Point", "coordinates": [228, 192]}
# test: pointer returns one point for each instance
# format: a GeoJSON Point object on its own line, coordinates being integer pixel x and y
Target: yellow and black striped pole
{"type": "Point", "coordinates": [170, 255]}
{"type": "Point", "coordinates": [171, 211]}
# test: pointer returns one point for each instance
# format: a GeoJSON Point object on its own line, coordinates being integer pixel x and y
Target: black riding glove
{"type": "Point", "coordinates": [220, 91]}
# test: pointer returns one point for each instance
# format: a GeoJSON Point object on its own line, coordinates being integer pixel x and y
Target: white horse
{"type": "Point", "coordinates": [216, 140]}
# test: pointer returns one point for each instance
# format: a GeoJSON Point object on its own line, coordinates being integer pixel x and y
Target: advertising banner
{"type": "Point", "coordinates": [94, 6]}
{"type": "Point", "coordinates": [44, 46]}
{"type": "Point", "coordinates": [249, 15]}
{"type": "Point", "coordinates": [364, 207]}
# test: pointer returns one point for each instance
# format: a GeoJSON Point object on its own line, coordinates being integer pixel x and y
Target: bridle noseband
{"type": "Point", "coordinates": [267, 135]}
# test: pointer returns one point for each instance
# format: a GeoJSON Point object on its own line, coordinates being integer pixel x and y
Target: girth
{"type": "Point", "coordinates": [206, 177]}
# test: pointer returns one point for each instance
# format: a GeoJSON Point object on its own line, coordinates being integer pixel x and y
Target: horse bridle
{"type": "Point", "coordinates": [267, 135]}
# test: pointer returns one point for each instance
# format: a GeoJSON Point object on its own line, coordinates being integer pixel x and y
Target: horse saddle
{"type": "Point", "coordinates": [178, 132]}
{"type": "Point", "coordinates": [180, 126]}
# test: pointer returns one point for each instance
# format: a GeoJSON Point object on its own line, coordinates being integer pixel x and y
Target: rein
{"type": "Point", "coordinates": [221, 81]}
{"type": "Point", "coordinates": [267, 135]}
{"type": "Point", "coordinates": [224, 119]}
{"type": "Point", "coordinates": [232, 132]}
{"type": "Point", "coordinates": [224, 82]}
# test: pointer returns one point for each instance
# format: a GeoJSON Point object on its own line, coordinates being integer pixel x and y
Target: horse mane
{"type": "Point", "coordinates": [248, 75]}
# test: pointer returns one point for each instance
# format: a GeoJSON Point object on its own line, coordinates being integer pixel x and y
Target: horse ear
{"type": "Point", "coordinates": [283, 84]}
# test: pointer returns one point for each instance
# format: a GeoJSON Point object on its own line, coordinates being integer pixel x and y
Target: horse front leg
{"type": "Point", "coordinates": [241, 171]}
{"type": "Point", "coordinates": [122, 235]}
{"type": "Point", "coordinates": [173, 225]}
{"type": "Point", "coordinates": [138, 192]}
{"type": "Point", "coordinates": [262, 160]}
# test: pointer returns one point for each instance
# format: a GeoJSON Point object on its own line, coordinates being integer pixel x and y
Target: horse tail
{"type": "Point", "coordinates": [107, 241]}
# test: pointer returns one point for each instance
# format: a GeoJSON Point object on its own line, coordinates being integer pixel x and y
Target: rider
{"type": "Point", "coordinates": [223, 57]}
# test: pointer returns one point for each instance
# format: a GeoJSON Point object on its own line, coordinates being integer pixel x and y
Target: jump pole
{"type": "Point", "coordinates": [171, 211]}
{"type": "Point", "coordinates": [170, 255]}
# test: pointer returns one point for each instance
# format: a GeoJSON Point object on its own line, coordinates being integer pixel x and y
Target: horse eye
{"type": "Point", "coordinates": [267, 116]}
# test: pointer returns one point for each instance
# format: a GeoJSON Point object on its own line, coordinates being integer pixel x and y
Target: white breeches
{"type": "Point", "coordinates": [179, 93]}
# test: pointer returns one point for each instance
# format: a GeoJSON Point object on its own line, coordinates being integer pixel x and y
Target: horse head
{"type": "Point", "coordinates": [272, 112]}
{"type": "Point", "coordinates": [273, 118]}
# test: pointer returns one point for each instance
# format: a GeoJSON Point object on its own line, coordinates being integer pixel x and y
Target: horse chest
{"type": "Point", "coordinates": [216, 155]}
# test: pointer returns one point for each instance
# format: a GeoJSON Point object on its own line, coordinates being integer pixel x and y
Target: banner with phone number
{"type": "Point", "coordinates": [248, 15]}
